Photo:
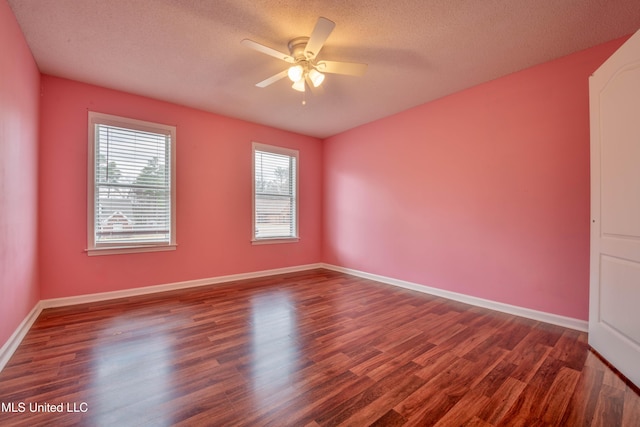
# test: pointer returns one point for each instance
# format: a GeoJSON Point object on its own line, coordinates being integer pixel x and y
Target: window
{"type": "Point", "coordinates": [275, 194]}
{"type": "Point", "coordinates": [131, 203]}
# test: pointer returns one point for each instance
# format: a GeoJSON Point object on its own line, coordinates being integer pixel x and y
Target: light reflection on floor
{"type": "Point", "coordinates": [132, 375]}
{"type": "Point", "coordinates": [274, 347]}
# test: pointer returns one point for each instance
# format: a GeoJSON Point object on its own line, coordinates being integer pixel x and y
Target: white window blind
{"type": "Point", "coordinates": [133, 197]}
{"type": "Point", "coordinates": [275, 193]}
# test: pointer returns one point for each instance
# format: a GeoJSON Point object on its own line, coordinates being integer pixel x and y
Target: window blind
{"type": "Point", "coordinates": [275, 195]}
{"type": "Point", "coordinates": [132, 193]}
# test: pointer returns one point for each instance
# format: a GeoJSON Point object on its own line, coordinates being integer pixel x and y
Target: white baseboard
{"type": "Point", "coordinates": [18, 335]}
{"type": "Point", "coordinates": [567, 322]}
{"type": "Point", "coordinates": [125, 293]}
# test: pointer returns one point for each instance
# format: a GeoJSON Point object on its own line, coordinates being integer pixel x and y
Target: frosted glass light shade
{"type": "Point", "coordinates": [299, 85]}
{"type": "Point", "coordinates": [316, 77]}
{"type": "Point", "coordinates": [295, 73]}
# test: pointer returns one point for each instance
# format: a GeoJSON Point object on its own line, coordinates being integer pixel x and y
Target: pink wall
{"type": "Point", "coordinates": [213, 195]}
{"type": "Point", "coordinates": [484, 192]}
{"type": "Point", "coordinates": [19, 97]}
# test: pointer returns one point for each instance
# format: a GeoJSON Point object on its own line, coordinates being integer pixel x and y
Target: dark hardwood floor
{"type": "Point", "coordinates": [315, 348]}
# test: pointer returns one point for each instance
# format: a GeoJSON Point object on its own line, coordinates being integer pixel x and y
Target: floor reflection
{"type": "Point", "coordinates": [274, 347]}
{"type": "Point", "coordinates": [132, 375]}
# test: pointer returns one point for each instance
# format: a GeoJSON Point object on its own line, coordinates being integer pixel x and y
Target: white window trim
{"type": "Point", "coordinates": [106, 249]}
{"type": "Point", "coordinates": [276, 150]}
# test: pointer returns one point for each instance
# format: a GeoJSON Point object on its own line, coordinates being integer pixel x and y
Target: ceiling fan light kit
{"type": "Point", "coordinates": [299, 74]}
{"type": "Point", "coordinates": [303, 51]}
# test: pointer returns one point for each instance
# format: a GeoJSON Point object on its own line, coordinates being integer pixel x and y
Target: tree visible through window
{"type": "Point", "coordinates": [275, 193]}
{"type": "Point", "coordinates": [131, 175]}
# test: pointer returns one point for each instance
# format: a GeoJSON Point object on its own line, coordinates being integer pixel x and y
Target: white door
{"type": "Point", "coordinates": [614, 298]}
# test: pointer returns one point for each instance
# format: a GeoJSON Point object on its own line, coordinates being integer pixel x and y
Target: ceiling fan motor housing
{"type": "Point", "coordinates": [297, 47]}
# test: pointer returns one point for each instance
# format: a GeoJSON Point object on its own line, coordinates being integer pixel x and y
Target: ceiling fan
{"type": "Point", "coordinates": [307, 69]}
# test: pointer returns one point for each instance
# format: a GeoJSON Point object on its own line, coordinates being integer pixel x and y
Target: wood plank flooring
{"type": "Point", "coordinates": [315, 348]}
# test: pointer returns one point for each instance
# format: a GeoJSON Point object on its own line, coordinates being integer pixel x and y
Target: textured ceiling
{"type": "Point", "coordinates": [188, 51]}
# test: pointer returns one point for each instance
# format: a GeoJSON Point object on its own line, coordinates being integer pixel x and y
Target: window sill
{"type": "Point", "coordinates": [275, 241]}
{"type": "Point", "coordinates": [117, 250]}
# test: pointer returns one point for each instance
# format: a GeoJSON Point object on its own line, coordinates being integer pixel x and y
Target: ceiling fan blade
{"type": "Point", "coordinates": [346, 68]}
{"type": "Point", "coordinates": [267, 50]}
{"type": "Point", "coordinates": [272, 79]}
{"type": "Point", "coordinates": [320, 33]}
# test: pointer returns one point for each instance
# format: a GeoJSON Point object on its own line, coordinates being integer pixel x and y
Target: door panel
{"type": "Point", "coordinates": [619, 295]}
{"type": "Point", "coordinates": [620, 128]}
